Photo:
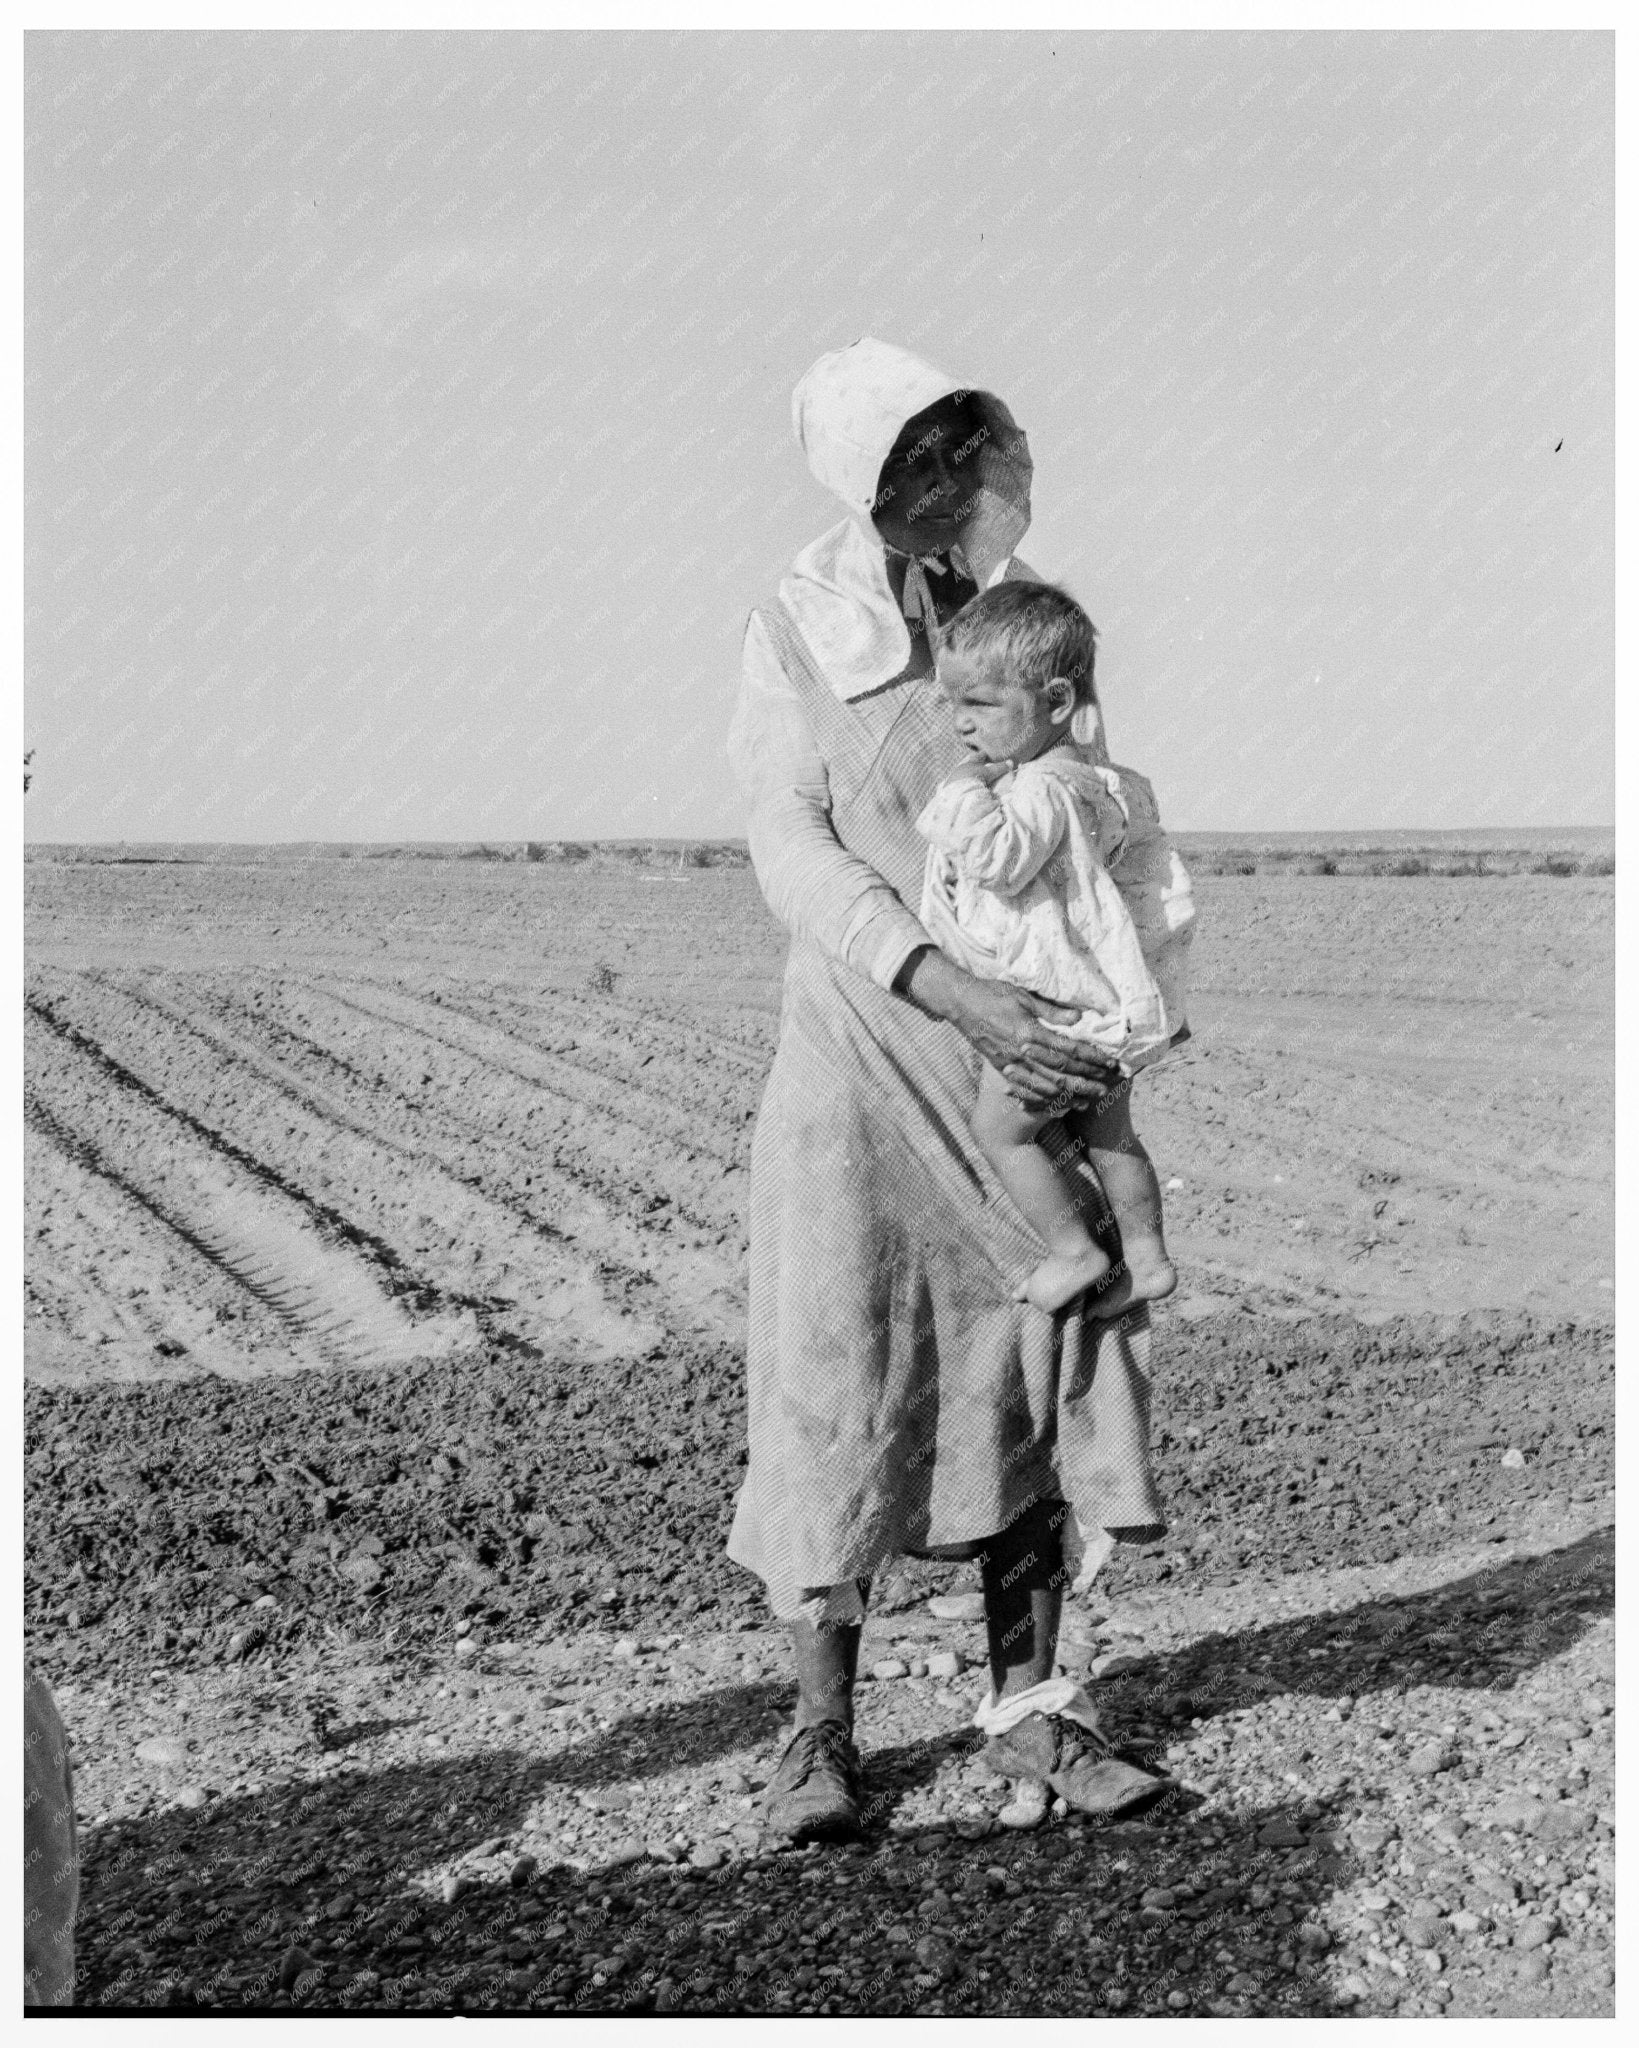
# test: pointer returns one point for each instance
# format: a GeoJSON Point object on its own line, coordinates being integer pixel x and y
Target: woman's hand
{"type": "Point", "coordinates": [1003, 1025]}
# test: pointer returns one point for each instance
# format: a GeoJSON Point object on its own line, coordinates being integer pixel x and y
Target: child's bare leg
{"type": "Point", "coordinates": [1134, 1195]}
{"type": "Point", "coordinates": [1007, 1136]}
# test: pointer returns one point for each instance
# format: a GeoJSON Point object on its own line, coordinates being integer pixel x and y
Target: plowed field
{"type": "Point", "coordinates": [253, 1164]}
{"type": "Point", "coordinates": [385, 1293]}
{"type": "Point", "coordinates": [455, 1154]}
{"type": "Point", "coordinates": [342, 1111]}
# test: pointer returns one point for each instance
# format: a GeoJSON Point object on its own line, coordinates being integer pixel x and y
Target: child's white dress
{"type": "Point", "coordinates": [1059, 878]}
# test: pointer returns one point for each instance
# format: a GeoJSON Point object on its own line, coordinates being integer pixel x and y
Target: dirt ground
{"type": "Point", "coordinates": [283, 1114]}
{"type": "Point", "coordinates": [385, 1275]}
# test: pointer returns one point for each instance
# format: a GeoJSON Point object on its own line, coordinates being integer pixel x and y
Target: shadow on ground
{"type": "Point", "coordinates": [1480, 1632]}
{"type": "Point", "coordinates": [656, 1741]}
{"type": "Point", "coordinates": [1172, 1913]}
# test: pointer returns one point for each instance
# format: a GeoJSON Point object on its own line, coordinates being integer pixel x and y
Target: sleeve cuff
{"type": "Point", "coordinates": [882, 945]}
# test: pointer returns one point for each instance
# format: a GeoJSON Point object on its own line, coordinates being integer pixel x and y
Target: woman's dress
{"type": "Point", "coordinates": [899, 1399]}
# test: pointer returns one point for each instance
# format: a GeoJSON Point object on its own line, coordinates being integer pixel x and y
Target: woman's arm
{"type": "Point", "coordinates": [811, 882]}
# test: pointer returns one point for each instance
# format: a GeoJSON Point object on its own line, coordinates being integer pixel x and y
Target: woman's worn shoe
{"type": "Point", "coordinates": [1081, 1767]}
{"type": "Point", "coordinates": [814, 1795]}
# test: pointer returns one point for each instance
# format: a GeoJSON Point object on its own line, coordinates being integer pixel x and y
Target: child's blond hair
{"type": "Point", "coordinates": [1039, 632]}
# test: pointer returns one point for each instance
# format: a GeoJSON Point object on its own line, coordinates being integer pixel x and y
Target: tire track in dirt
{"type": "Point", "coordinates": [112, 1288]}
{"type": "Point", "coordinates": [224, 1205]}
{"type": "Point", "coordinates": [664, 1261]}
{"type": "Point", "coordinates": [543, 1260]}
{"type": "Point", "coordinates": [438, 1238]}
{"type": "Point", "coordinates": [671, 1235]}
{"type": "Point", "coordinates": [253, 1253]}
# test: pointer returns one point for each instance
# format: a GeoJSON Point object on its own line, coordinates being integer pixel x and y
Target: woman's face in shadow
{"type": "Point", "coordinates": [930, 482]}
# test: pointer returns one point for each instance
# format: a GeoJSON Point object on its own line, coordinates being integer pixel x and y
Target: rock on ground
{"type": "Point", "coordinates": [572, 1824]}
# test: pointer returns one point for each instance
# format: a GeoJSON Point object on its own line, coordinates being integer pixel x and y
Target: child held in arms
{"type": "Point", "coordinates": [1047, 867]}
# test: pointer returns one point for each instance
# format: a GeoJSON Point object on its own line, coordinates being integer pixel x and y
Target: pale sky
{"type": "Point", "coordinates": [409, 434]}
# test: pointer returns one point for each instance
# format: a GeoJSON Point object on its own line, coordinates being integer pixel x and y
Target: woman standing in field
{"type": "Point", "coordinates": [900, 1399]}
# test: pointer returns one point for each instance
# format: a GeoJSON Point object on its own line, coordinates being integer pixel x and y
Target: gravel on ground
{"type": "Point", "coordinates": [1393, 1793]}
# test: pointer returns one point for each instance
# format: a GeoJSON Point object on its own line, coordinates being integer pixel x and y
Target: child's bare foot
{"type": "Point", "coordinates": [1150, 1278]}
{"type": "Point", "coordinates": [1062, 1276]}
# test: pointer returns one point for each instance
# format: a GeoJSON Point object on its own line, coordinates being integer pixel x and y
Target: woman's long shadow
{"type": "Point", "coordinates": [1480, 1631]}
{"type": "Point", "coordinates": [189, 1908]}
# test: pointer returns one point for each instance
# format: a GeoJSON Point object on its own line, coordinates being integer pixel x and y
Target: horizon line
{"type": "Point", "coordinates": [740, 839]}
